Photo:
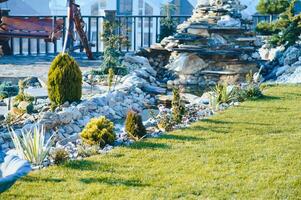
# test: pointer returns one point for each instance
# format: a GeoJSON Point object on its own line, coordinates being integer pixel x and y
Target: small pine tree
{"type": "Point", "coordinates": [168, 25]}
{"type": "Point", "coordinates": [134, 125]}
{"type": "Point", "coordinates": [112, 43]}
{"type": "Point", "coordinates": [178, 110]}
{"type": "Point", "coordinates": [64, 80]}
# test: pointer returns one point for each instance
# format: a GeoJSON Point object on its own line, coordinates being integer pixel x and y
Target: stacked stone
{"type": "Point", "coordinates": [223, 42]}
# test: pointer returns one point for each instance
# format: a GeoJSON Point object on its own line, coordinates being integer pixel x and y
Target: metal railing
{"type": "Point", "coordinates": [257, 18]}
{"type": "Point", "coordinates": [141, 31]}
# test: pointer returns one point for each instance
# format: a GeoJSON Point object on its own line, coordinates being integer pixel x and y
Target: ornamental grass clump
{"type": "Point", "coordinates": [32, 145]}
{"type": "Point", "coordinates": [64, 80]}
{"type": "Point", "coordinates": [59, 156]}
{"type": "Point", "coordinates": [134, 126]}
{"type": "Point", "coordinates": [99, 131]}
{"type": "Point", "coordinates": [178, 109]}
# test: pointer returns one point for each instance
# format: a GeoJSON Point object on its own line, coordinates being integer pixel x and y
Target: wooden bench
{"type": "Point", "coordinates": [33, 27]}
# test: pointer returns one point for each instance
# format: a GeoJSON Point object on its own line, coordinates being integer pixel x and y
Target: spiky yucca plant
{"type": "Point", "coordinates": [32, 145]}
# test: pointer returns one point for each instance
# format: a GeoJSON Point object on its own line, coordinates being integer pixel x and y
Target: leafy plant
{"type": "Point", "coordinates": [224, 94]}
{"type": "Point", "coordinates": [24, 97]}
{"type": "Point", "coordinates": [59, 156]}
{"type": "Point", "coordinates": [99, 131]}
{"type": "Point", "coordinates": [87, 151]}
{"type": "Point", "coordinates": [112, 43]}
{"type": "Point", "coordinates": [8, 90]}
{"type": "Point", "coordinates": [32, 145]}
{"type": "Point", "coordinates": [134, 126]}
{"type": "Point", "coordinates": [64, 80]}
{"type": "Point", "coordinates": [178, 110]}
{"type": "Point", "coordinates": [165, 119]}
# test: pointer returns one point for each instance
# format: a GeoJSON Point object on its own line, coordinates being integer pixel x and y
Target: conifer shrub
{"type": "Point", "coordinates": [64, 80]}
{"type": "Point", "coordinates": [59, 156]}
{"type": "Point", "coordinates": [99, 131]}
{"type": "Point", "coordinates": [178, 110]}
{"type": "Point", "coordinates": [134, 126]}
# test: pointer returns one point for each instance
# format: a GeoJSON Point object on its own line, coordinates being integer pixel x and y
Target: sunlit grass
{"type": "Point", "coordinates": [249, 152]}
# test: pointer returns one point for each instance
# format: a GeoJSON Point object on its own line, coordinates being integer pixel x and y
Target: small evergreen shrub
{"type": "Point", "coordinates": [64, 80]}
{"type": "Point", "coordinates": [134, 125]}
{"type": "Point", "coordinates": [265, 28]}
{"type": "Point", "coordinates": [113, 43]}
{"type": "Point", "coordinates": [168, 25]}
{"type": "Point", "coordinates": [7, 89]}
{"type": "Point", "coordinates": [178, 110]}
{"type": "Point", "coordinates": [99, 131]}
{"type": "Point", "coordinates": [59, 156]}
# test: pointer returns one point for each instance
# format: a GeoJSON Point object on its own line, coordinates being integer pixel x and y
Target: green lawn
{"type": "Point", "coordinates": [249, 152]}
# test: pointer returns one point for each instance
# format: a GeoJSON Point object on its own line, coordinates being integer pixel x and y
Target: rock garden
{"type": "Point", "coordinates": [134, 96]}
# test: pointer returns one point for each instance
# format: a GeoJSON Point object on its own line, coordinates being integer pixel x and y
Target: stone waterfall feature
{"type": "Point", "coordinates": [215, 44]}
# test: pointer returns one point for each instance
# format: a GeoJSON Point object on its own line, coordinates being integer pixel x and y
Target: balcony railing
{"type": "Point", "coordinates": [141, 31]}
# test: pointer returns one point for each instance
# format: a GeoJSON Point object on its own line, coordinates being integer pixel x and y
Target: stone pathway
{"type": "Point", "coordinates": [38, 66]}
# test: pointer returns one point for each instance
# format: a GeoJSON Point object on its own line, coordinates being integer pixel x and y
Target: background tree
{"type": "Point", "coordinates": [168, 25]}
{"type": "Point", "coordinates": [272, 6]}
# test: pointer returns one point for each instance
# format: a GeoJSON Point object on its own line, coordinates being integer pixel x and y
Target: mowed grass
{"type": "Point", "coordinates": [249, 152]}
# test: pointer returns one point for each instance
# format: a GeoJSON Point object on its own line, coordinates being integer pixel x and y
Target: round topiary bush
{"type": "Point", "coordinates": [134, 125]}
{"type": "Point", "coordinates": [99, 131]}
{"type": "Point", "coordinates": [64, 80]}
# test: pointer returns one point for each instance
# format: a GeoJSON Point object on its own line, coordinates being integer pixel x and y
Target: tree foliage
{"type": "Point", "coordinates": [272, 6]}
{"type": "Point", "coordinates": [64, 80]}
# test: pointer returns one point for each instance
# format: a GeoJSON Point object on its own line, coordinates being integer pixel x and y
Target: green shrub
{"type": "Point", "coordinates": [99, 131]}
{"type": "Point", "coordinates": [265, 28]}
{"type": "Point", "coordinates": [223, 94]}
{"type": "Point", "coordinates": [168, 25]}
{"type": "Point", "coordinates": [59, 156]}
{"type": "Point", "coordinates": [24, 97]}
{"type": "Point", "coordinates": [110, 78]}
{"type": "Point", "coordinates": [3, 95]}
{"type": "Point", "coordinates": [178, 110]}
{"type": "Point", "coordinates": [64, 80]}
{"type": "Point", "coordinates": [134, 126]}
{"type": "Point", "coordinates": [113, 43]}
{"type": "Point", "coordinates": [272, 6]}
{"type": "Point", "coordinates": [8, 90]}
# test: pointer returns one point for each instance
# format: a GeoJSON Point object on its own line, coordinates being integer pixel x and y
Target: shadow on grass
{"type": "Point", "coordinates": [148, 145]}
{"type": "Point", "coordinates": [220, 122]}
{"type": "Point", "coordinates": [180, 137]}
{"type": "Point", "coordinates": [116, 182]}
{"type": "Point", "coordinates": [267, 98]}
{"type": "Point", "coordinates": [36, 179]}
{"type": "Point", "coordinates": [82, 165]}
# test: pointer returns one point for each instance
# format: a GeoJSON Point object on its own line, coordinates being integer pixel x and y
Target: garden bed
{"type": "Point", "coordinates": [248, 152]}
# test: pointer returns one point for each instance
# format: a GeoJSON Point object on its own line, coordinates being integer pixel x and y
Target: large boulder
{"type": "Point", "coordinates": [188, 64]}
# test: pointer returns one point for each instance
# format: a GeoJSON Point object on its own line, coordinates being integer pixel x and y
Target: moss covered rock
{"type": "Point", "coordinates": [64, 80]}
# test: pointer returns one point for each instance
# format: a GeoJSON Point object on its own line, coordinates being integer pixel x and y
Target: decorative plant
{"type": "Point", "coordinates": [64, 80]}
{"type": "Point", "coordinates": [32, 145]}
{"type": "Point", "coordinates": [111, 76]}
{"type": "Point", "coordinates": [224, 94]}
{"type": "Point", "coordinates": [165, 119]}
{"type": "Point", "coordinates": [7, 90]}
{"type": "Point", "coordinates": [99, 131]}
{"type": "Point", "coordinates": [134, 126]}
{"type": "Point", "coordinates": [178, 110]}
{"type": "Point", "coordinates": [59, 156]}
{"type": "Point", "coordinates": [113, 44]}
{"type": "Point", "coordinates": [168, 25]}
